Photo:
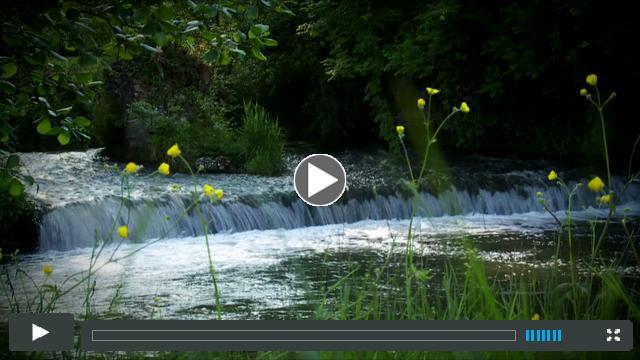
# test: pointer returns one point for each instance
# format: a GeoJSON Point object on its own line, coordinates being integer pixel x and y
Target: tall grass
{"type": "Point", "coordinates": [261, 140]}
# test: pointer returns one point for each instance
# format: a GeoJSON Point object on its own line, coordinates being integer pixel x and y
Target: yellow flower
{"type": "Point", "coordinates": [219, 194]}
{"type": "Point", "coordinates": [208, 190]}
{"type": "Point", "coordinates": [535, 316]}
{"type": "Point", "coordinates": [464, 107]}
{"type": "Point", "coordinates": [400, 129]}
{"type": "Point", "coordinates": [163, 169]}
{"type": "Point", "coordinates": [47, 269]}
{"type": "Point", "coordinates": [174, 151]}
{"type": "Point", "coordinates": [584, 92]}
{"type": "Point", "coordinates": [605, 199]}
{"type": "Point", "coordinates": [123, 231]}
{"type": "Point", "coordinates": [421, 103]}
{"type": "Point", "coordinates": [592, 79]}
{"type": "Point", "coordinates": [131, 168]}
{"type": "Point", "coordinates": [432, 91]}
{"type": "Point", "coordinates": [539, 194]}
{"type": "Point", "coordinates": [553, 176]}
{"type": "Point", "coordinates": [596, 184]}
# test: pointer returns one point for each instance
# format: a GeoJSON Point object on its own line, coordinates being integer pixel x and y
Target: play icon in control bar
{"type": "Point", "coordinates": [41, 332]}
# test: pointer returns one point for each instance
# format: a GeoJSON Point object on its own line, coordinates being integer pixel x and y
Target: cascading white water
{"type": "Point", "coordinates": [259, 203]}
{"type": "Point", "coordinates": [260, 267]}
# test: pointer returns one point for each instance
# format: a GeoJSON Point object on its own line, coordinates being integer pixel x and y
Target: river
{"type": "Point", "coordinates": [273, 252]}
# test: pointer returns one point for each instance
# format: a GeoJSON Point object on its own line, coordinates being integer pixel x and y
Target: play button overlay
{"type": "Point", "coordinates": [320, 180]}
{"type": "Point", "coordinates": [41, 332]}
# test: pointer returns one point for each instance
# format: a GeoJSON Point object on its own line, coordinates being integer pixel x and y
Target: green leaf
{"type": "Point", "coordinates": [44, 127]}
{"type": "Point", "coordinates": [58, 56]}
{"type": "Point", "coordinates": [164, 13]}
{"type": "Point", "coordinates": [238, 51]}
{"type": "Point", "coordinates": [151, 48]}
{"type": "Point", "coordinates": [29, 180]}
{"type": "Point", "coordinates": [8, 70]}
{"type": "Point", "coordinates": [16, 188]}
{"type": "Point", "coordinates": [225, 59]}
{"type": "Point", "coordinates": [64, 110]}
{"type": "Point", "coordinates": [64, 138]}
{"type": "Point", "coordinates": [212, 56]}
{"type": "Point", "coordinates": [55, 131]}
{"type": "Point", "coordinates": [251, 13]}
{"type": "Point", "coordinates": [82, 121]}
{"type": "Point", "coordinates": [207, 35]}
{"type": "Point", "coordinates": [228, 12]}
{"type": "Point", "coordinates": [88, 60]}
{"type": "Point", "coordinates": [212, 11]}
{"type": "Point", "coordinates": [258, 54]}
{"type": "Point", "coordinates": [13, 161]}
{"type": "Point", "coordinates": [269, 42]}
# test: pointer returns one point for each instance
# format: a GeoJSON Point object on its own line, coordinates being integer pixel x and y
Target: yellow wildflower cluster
{"type": "Point", "coordinates": [596, 184]}
{"type": "Point", "coordinates": [174, 151]}
{"type": "Point", "coordinates": [606, 199]}
{"type": "Point", "coordinates": [553, 176]}
{"type": "Point", "coordinates": [164, 169]}
{"type": "Point", "coordinates": [123, 231]}
{"type": "Point", "coordinates": [400, 130]}
{"type": "Point", "coordinates": [131, 168]}
{"type": "Point", "coordinates": [464, 107]}
{"type": "Point", "coordinates": [592, 79]}
{"type": "Point", "coordinates": [47, 269]}
{"type": "Point", "coordinates": [211, 193]}
{"type": "Point", "coordinates": [432, 91]}
{"type": "Point", "coordinates": [421, 103]}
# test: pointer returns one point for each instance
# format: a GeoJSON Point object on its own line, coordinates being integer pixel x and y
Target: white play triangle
{"type": "Point", "coordinates": [37, 332]}
{"type": "Point", "coordinates": [318, 180]}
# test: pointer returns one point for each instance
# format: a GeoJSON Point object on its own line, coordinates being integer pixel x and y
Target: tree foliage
{"type": "Point", "coordinates": [518, 64]}
{"type": "Point", "coordinates": [52, 53]}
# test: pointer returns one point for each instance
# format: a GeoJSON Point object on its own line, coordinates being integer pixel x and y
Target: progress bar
{"type": "Point", "coordinates": [300, 335]}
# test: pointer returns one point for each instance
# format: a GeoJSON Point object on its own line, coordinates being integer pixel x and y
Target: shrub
{"type": "Point", "coordinates": [200, 130]}
{"type": "Point", "coordinates": [261, 141]}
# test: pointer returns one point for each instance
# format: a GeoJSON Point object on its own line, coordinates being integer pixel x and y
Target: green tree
{"type": "Point", "coordinates": [52, 55]}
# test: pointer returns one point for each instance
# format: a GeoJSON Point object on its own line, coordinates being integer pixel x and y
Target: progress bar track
{"type": "Point", "coordinates": [300, 335]}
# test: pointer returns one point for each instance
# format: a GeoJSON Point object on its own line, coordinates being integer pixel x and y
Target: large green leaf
{"type": "Point", "coordinates": [8, 70]}
{"type": "Point", "coordinates": [44, 127]}
{"type": "Point", "coordinates": [258, 54]}
{"type": "Point", "coordinates": [82, 121]}
{"type": "Point", "coordinates": [269, 42]}
{"type": "Point", "coordinates": [64, 138]}
{"type": "Point", "coordinates": [212, 56]}
{"type": "Point", "coordinates": [16, 189]}
{"type": "Point", "coordinates": [13, 161]}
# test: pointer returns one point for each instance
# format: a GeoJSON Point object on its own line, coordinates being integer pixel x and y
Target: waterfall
{"type": "Point", "coordinates": [80, 224]}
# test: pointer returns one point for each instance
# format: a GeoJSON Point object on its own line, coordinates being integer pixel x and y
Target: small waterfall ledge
{"type": "Point", "coordinates": [78, 225]}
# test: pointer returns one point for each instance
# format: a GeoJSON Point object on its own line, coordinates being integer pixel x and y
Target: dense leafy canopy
{"type": "Point", "coordinates": [52, 55]}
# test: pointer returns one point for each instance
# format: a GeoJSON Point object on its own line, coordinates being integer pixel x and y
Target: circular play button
{"type": "Point", "coordinates": [319, 180]}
